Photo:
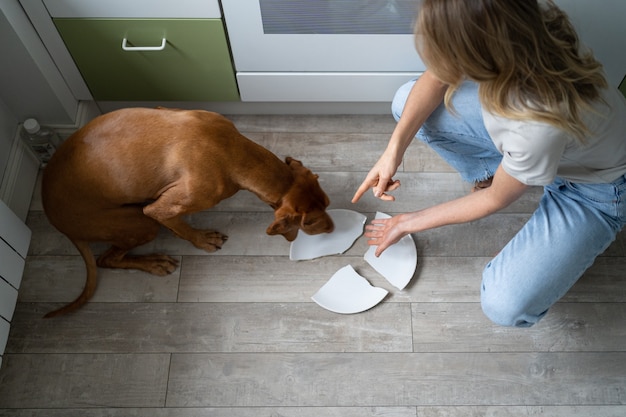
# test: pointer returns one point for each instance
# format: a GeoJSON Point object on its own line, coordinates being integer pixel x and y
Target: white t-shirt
{"type": "Point", "coordinates": [535, 153]}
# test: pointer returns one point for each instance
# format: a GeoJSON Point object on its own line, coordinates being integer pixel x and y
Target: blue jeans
{"type": "Point", "coordinates": [573, 224]}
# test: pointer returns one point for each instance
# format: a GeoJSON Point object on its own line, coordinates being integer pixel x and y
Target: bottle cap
{"type": "Point", "coordinates": [31, 125]}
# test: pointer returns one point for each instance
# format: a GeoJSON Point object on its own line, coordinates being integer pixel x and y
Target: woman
{"type": "Point", "coordinates": [510, 100]}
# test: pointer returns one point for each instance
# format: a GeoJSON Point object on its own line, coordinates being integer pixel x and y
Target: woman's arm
{"type": "Point", "coordinates": [504, 190]}
{"type": "Point", "coordinates": [425, 96]}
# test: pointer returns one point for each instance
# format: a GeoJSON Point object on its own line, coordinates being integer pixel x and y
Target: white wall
{"type": "Point", "coordinates": [30, 86]}
{"type": "Point", "coordinates": [30, 83]}
{"type": "Point", "coordinates": [601, 25]}
{"type": "Point", "coordinates": [8, 127]}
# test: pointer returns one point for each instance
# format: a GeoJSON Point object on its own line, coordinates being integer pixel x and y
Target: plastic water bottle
{"type": "Point", "coordinates": [42, 140]}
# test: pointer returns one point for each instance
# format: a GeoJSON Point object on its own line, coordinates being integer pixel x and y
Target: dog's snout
{"type": "Point", "coordinates": [323, 225]}
{"type": "Point", "coordinates": [330, 225]}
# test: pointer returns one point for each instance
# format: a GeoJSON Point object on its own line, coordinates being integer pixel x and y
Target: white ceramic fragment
{"type": "Point", "coordinates": [348, 227]}
{"type": "Point", "coordinates": [397, 263]}
{"type": "Point", "coordinates": [347, 292]}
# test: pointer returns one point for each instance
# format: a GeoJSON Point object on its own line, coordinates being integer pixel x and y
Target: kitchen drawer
{"type": "Point", "coordinates": [321, 86]}
{"type": "Point", "coordinates": [163, 59]}
{"type": "Point", "coordinates": [134, 9]}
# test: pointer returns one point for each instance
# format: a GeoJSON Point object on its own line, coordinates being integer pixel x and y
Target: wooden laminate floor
{"type": "Point", "coordinates": [236, 334]}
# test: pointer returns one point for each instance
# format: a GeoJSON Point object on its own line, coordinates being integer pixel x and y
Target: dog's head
{"type": "Point", "coordinates": [302, 207]}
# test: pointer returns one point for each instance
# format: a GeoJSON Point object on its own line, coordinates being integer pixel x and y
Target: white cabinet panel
{"type": "Point", "coordinates": [320, 87]}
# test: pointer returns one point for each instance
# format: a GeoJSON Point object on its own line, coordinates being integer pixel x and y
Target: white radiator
{"type": "Point", "coordinates": [14, 242]}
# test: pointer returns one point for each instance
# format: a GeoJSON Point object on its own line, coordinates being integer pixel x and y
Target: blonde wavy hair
{"type": "Point", "coordinates": [525, 56]}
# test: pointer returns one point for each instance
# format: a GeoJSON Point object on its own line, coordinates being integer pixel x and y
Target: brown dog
{"type": "Point", "coordinates": [127, 172]}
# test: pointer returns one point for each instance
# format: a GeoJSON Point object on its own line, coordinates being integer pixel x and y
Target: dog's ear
{"type": "Point", "coordinates": [300, 169]}
{"type": "Point", "coordinates": [292, 162]}
{"type": "Point", "coordinates": [284, 225]}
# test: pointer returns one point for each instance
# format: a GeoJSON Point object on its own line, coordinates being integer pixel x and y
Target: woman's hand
{"type": "Point", "coordinates": [380, 180]}
{"type": "Point", "coordinates": [426, 94]}
{"type": "Point", "coordinates": [383, 233]}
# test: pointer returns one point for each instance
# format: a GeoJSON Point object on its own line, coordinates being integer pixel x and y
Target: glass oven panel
{"type": "Point", "coordinates": [333, 17]}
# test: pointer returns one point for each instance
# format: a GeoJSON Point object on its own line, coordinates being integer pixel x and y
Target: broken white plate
{"type": "Point", "coordinates": [347, 292]}
{"type": "Point", "coordinates": [348, 227]}
{"type": "Point", "coordinates": [397, 263]}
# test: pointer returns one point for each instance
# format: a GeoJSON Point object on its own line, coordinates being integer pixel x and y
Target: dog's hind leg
{"type": "Point", "coordinates": [156, 264]}
{"type": "Point", "coordinates": [132, 231]}
{"type": "Point", "coordinates": [126, 228]}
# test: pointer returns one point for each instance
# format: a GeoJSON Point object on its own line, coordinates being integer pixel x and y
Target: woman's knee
{"type": "Point", "coordinates": [507, 306]}
{"type": "Point", "coordinates": [399, 99]}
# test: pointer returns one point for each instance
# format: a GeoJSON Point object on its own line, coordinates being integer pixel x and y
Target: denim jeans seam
{"type": "Point", "coordinates": [614, 204]}
{"type": "Point", "coordinates": [442, 134]}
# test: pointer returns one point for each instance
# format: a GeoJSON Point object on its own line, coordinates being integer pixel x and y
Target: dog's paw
{"type": "Point", "coordinates": [210, 240]}
{"type": "Point", "coordinates": [160, 265]}
{"type": "Point", "coordinates": [156, 264]}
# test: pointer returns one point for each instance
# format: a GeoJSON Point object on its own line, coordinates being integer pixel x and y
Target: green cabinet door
{"type": "Point", "coordinates": [152, 59]}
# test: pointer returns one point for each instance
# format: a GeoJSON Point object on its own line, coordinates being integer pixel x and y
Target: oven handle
{"type": "Point", "coordinates": [143, 48]}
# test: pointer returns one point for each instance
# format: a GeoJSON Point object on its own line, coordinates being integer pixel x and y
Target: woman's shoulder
{"type": "Point", "coordinates": [502, 126]}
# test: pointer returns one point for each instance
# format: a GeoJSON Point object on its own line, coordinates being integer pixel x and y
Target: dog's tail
{"type": "Point", "coordinates": [90, 283]}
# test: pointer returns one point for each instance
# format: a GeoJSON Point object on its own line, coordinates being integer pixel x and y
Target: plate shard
{"type": "Point", "coordinates": [347, 292]}
{"type": "Point", "coordinates": [348, 228]}
{"type": "Point", "coordinates": [397, 263]}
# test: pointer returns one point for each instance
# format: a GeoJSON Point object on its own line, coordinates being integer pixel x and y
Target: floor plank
{"type": "Point", "coordinates": [461, 327]}
{"type": "Point", "coordinates": [223, 412]}
{"type": "Point", "coordinates": [460, 411]}
{"type": "Point", "coordinates": [523, 411]}
{"type": "Point", "coordinates": [399, 379]}
{"type": "Point", "coordinates": [345, 123]}
{"type": "Point", "coordinates": [83, 380]}
{"type": "Point", "coordinates": [211, 327]}
{"type": "Point", "coordinates": [246, 231]}
{"type": "Point", "coordinates": [61, 279]}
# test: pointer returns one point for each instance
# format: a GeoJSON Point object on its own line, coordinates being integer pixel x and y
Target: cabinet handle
{"type": "Point", "coordinates": [143, 48]}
